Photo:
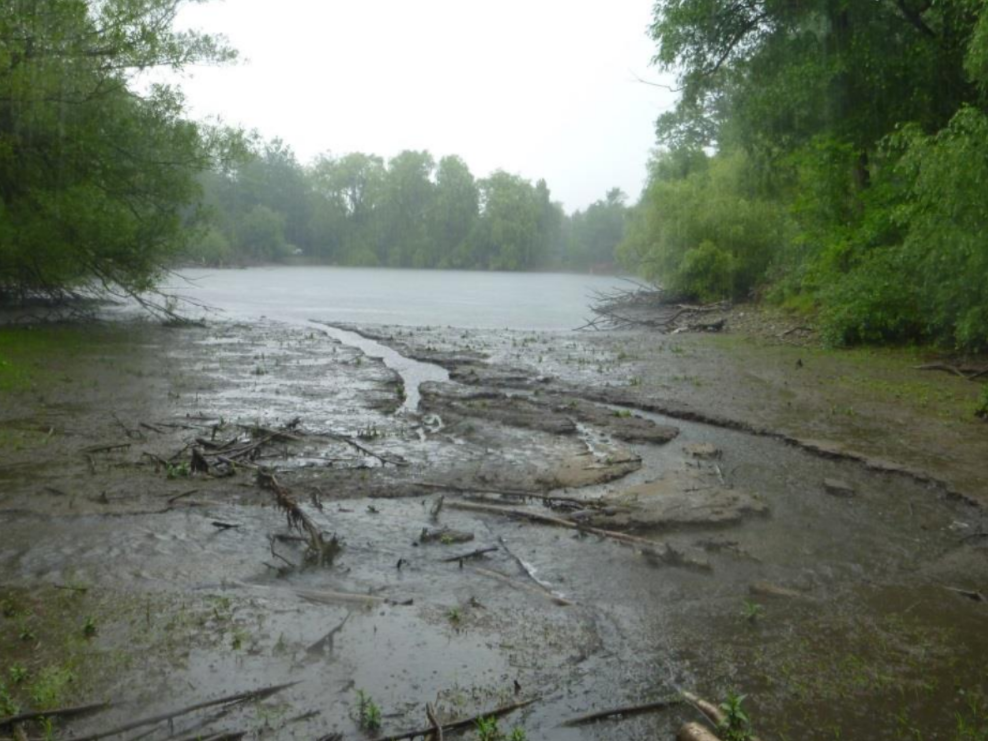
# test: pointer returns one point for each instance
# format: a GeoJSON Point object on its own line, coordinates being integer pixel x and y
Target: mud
{"type": "Point", "coordinates": [855, 634]}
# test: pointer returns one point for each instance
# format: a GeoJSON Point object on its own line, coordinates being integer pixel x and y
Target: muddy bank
{"type": "Point", "coordinates": [580, 547]}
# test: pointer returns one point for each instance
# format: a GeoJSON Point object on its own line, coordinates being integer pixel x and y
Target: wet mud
{"type": "Point", "coordinates": [528, 516]}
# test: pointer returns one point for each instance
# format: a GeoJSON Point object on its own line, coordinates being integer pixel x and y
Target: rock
{"type": "Point", "coordinates": [703, 450]}
{"type": "Point", "coordinates": [838, 488]}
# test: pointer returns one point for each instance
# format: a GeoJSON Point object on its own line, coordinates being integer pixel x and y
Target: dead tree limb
{"type": "Point", "coordinates": [523, 586]}
{"type": "Point", "coordinates": [459, 724]}
{"type": "Point", "coordinates": [430, 713]}
{"type": "Point", "coordinates": [471, 554]}
{"type": "Point", "coordinates": [239, 698]}
{"type": "Point", "coordinates": [624, 711]}
{"type": "Point", "coordinates": [320, 550]}
{"type": "Point", "coordinates": [72, 712]}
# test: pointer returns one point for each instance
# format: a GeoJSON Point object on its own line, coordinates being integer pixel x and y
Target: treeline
{"type": "Point", "coordinates": [410, 211]}
{"type": "Point", "coordinates": [828, 155]}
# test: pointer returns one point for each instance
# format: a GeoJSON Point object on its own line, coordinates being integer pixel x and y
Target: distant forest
{"type": "Point", "coordinates": [410, 211]}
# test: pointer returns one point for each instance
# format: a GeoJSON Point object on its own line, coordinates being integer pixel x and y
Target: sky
{"type": "Point", "coordinates": [540, 88]}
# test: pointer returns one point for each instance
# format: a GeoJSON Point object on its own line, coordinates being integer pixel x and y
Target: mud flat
{"type": "Point", "coordinates": [588, 521]}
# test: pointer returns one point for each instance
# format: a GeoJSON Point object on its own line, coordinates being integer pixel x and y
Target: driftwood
{"type": "Point", "coordinates": [540, 591]}
{"type": "Point", "coordinates": [331, 598]}
{"type": "Point", "coordinates": [711, 712]}
{"type": "Point", "coordinates": [970, 594]}
{"type": "Point", "coordinates": [967, 373]}
{"type": "Point", "coordinates": [327, 639]}
{"type": "Point", "coordinates": [72, 712]}
{"type": "Point", "coordinates": [459, 724]}
{"type": "Point", "coordinates": [321, 551]}
{"type": "Point", "coordinates": [516, 493]}
{"type": "Point", "coordinates": [624, 711]}
{"type": "Point", "coordinates": [472, 554]}
{"type": "Point", "coordinates": [239, 698]}
{"type": "Point", "coordinates": [695, 732]}
{"type": "Point", "coordinates": [528, 571]}
{"type": "Point", "coordinates": [430, 713]}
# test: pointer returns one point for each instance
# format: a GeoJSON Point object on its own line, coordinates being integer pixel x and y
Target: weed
{"type": "Point", "coordinates": [622, 413]}
{"type": "Point", "coordinates": [7, 705]}
{"type": "Point", "coordinates": [518, 734]}
{"type": "Point", "coordinates": [89, 628]}
{"type": "Point", "coordinates": [178, 470]}
{"type": "Point", "coordinates": [487, 729]}
{"type": "Point", "coordinates": [751, 611]}
{"type": "Point", "coordinates": [981, 410]}
{"type": "Point", "coordinates": [49, 688]}
{"type": "Point", "coordinates": [369, 712]}
{"type": "Point", "coordinates": [454, 615]}
{"type": "Point", "coordinates": [240, 637]}
{"type": "Point", "coordinates": [27, 635]}
{"type": "Point", "coordinates": [736, 725]}
{"type": "Point", "coordinates": [17, 674]}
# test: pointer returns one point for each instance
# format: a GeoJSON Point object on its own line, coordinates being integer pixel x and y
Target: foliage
{"type": "Point", "coordinates": [981, 410]}
{"type": "Point", "coordinates": [409, 211]}
{"type": "Point", "coordinates": [704, 235]}
{"type": "Point", "coordinates": [369, 714]}
{"type": "Point", "coordinates": [863, 133]}
{"type": "Point", "coordinates": [97, 174]}
{"type": "Point", "coordinates": [736, 725]}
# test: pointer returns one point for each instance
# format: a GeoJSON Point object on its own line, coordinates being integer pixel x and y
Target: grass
{"type": "Point", "coordinates": [368, 712]}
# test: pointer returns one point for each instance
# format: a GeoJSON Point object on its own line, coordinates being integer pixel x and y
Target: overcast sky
{"type": "Point", "coordinates": [542, 88]}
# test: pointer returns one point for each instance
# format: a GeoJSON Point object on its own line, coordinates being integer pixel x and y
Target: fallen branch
{"type": "Point", "coordinates": [430, 713]}
{"type": "Point", "coordinates": [394, 460]}
{"type": "Point", "coordinates": [695, 732]}
{"type": "Point", "coordinates": [459, 724]}
{"type": "Point", "coordinates": [71, 712]}
{"type": "Point", "coordinates": [541, 592]}
{"type": "Point", "coordinates": [624, 711]}
{"type": "Point", "coordinates": [105, 448]}
{"type": "Point", "coordinates": [320, 550]}
{"type": "Point", "coordinates": [471, 554]}
{"type": "Point", "coordinates": [528, 570]}
{"type": "Point", "coordinates": [239, 698]}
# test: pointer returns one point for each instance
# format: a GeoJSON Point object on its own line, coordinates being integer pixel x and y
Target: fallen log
{"type": "Point", "coordinates": [238, 698]}
{"type": "Point", "coordinates": [623, 711]}
{"type": "Point", "coordinates": [430, 713]}
{"type": "Point", "coordinates": [459, 724]}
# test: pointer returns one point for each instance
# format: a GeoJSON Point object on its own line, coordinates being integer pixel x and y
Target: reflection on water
{"type": "Point", "coordinates": [544, 301]}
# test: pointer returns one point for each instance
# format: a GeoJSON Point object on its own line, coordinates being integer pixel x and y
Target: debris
{"type": "Point", "coordinates": [472, 554]}
{"type": "Point", "coordinates": [321, 551]}
{"type": "Point", "coordinates": [765, 589]}
{"type": "Point", "coordinates": [464, 723]}
{"type": "Point", "coordinates": [695, 732]}
{"type": "Point", "coordinates": [239, 698]}
{"type": "Point", "coordinates": [838, 488]}
{"type": "Point", "coordinates": [624, 711]}
{"type": "Point", "coordinates": [970, 594]}
{"type": "Point", "coordinates": [541, 591]}
{"type": "Point", "coordinates": [70, 712]}
{"type": "Point", "coordinates": [706, 451]}
{"type": "Point", "coordinates": [444, 535]}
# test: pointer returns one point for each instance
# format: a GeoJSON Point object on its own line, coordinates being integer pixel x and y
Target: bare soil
{"type": "Point", "coordinates": [655, 514]}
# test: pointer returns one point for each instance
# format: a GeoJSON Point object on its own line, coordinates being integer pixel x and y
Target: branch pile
{"type": "Point", "coordinates": [650, 307]}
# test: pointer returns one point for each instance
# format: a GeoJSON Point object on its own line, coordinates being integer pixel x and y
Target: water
{"type": "Point", "coordinates": [468, 299]}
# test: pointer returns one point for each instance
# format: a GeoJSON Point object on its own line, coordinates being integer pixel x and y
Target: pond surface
{"type": "Point", "coordinates": [468, 299]}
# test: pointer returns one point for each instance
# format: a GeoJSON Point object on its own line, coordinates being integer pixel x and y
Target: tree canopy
{"type": "Point", "coordinates": [97, 171]}
{"type": "Point", "coordinates": [827, 154]}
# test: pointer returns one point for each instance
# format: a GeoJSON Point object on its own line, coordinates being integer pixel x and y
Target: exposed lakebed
{"type": "Point", "coordinates": [814, 584]}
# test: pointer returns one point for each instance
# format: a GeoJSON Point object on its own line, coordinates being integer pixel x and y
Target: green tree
{"type": "Point", "coordinates": [96, 176]}
{"type": "Point", "coordinates": [454, 213]}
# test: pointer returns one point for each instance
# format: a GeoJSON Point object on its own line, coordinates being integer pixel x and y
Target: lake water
{"type": "Point", "coordinates": [476, 300]}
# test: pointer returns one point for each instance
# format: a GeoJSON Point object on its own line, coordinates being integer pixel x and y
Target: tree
{"type": "Point", "coordinates": [454, 213]}
{"type": "Point", "coordinates": [96, 176]}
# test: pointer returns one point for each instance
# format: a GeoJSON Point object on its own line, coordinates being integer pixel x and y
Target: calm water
{"type": "Point", "coordinates": [544, 301]}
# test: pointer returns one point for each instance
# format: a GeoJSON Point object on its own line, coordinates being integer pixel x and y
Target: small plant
{"type": "Point", "coordinates": [751, 611]}
{"type": "Point", "coordinates": [240, 637]}
{"type": "Point", "coordinates": [369, 712]}
{"type": "Point", "coordinates": [7, 705]}
{"type": "Point", "coordinates": [89, 628]}
{"type": "Point", "coordinates": [178, 470]}
{"type": "Point", "coordinates": [622, 413]}
{"type": "Point", "coordinates": [635, 381]}
{"type": "Point", "coordinates": [518, 734]}
{"type": "Point", "coordinates": [18, 674]}
{"type": "Point", "coordinates": [981, 410]}
{"type": "Point", "coordinates": [454, 615]}
{"type": "Point", "coordinates": [27, 635]}
{"type": "Point", "coordinates": [736, 725]}
{"type": "Point", "coordinates": [487, 729]}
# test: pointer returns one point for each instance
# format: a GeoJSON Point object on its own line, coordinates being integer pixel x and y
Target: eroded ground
{"type": "Point", "coordinates": [647, 539]}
